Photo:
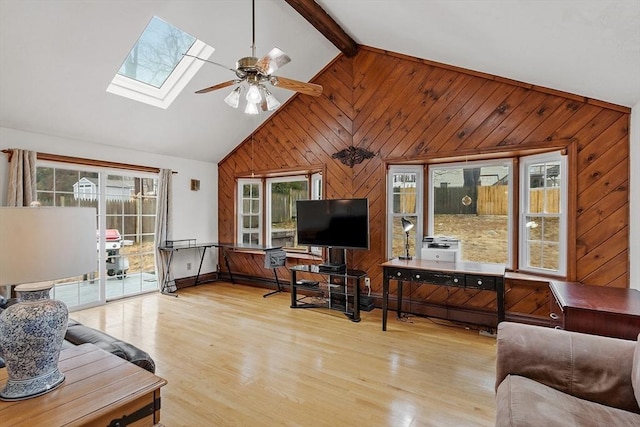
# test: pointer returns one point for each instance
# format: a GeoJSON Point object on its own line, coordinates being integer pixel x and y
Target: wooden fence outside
{"type": "Point", "coordinates": [492, 200]}
{"type": "Point", "coordinates": [133, 217]}
{"type": "Point", "coordinates": [283, 206]}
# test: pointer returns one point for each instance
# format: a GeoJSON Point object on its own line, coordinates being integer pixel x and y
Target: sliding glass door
{"type": "Point", "coordinates": [125, 206]}
{"type": "Point", "coordinates": [130, 226]}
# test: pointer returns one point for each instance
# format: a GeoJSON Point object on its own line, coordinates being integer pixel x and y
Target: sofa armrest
{"type": "Point", "coordinates": [78, 333]}
{"type": "Point", "coordinates": [589, 367]}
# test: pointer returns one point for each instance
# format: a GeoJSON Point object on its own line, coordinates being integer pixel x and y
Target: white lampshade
{"type": "Point", "coordinates": [233, 99]}
{"type": "Point", "coordinates": [46, 243]}
{"type": "Point", "coordinates": [272, 101]}
{"type": "Point", "coordinates": [251, 108]}
{"type": "Point", "coordinates": [253, 94]}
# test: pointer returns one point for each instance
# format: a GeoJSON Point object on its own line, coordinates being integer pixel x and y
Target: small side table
{"type": "Point", "coordinates": [598, 310]}
{"type": "Point", "coordinates": [99, 389]}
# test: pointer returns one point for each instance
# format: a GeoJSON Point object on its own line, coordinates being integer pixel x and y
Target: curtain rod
{"type": "Point", "coordinates": [89, 162]}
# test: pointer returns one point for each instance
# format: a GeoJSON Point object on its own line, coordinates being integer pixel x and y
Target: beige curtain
{"type": "Point", "coordinates": [22, 178]}
{"type": "Point", "coordinates": [163, 231]}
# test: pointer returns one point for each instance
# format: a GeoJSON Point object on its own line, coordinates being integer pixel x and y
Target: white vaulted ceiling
{"type": "Point", "coordinates": [57, 57]}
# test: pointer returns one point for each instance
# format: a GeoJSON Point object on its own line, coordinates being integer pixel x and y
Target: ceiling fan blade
{"type": "Point", "coordinates": [273, 60]}
{"type": "Point", "coordinates": [302, 87]}
{"type": "Point", "coordinates": [218, 86]}
{"type": "Point", "coordinates": [210, 62]}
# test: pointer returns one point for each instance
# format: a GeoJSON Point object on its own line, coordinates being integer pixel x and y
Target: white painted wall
{"type": "Point", "coordinates": [634, 196]}
{"type": "Point", "coordinates": [195, 213]}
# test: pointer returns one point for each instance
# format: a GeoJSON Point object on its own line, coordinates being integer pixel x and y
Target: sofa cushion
{"type": "Point", "coordinates": [635, 371]}
{"type": "Point", "coordinates": [523, 402]}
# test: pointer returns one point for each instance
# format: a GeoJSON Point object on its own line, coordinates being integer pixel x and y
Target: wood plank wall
{"type": "Point", "coordinates": [407, 109]}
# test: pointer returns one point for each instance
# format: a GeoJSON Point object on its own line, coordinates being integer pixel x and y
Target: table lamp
{"type": "Point", "coordinates": [406, 226]}
{"type": "Point", "coordinates": [37, 246]}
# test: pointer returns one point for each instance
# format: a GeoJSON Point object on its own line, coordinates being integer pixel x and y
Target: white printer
{"type": "Point", "coordinates": [441, 248]}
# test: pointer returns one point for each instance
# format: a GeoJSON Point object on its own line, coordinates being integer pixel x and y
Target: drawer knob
{"type": "Point", "coordinates": [417, 276]}
{"type": "Point", "coordinates": [554, 316]}
{"type": "Point", "coordinates": [479, 282]}
{"type": "Point", "coordinates": [398, 274]}
{"type": "Point", "coordinates": [455, 280]}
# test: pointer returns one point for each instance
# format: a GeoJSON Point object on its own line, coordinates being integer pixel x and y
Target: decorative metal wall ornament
{"type": "Point", "coordinates": [351, 156]}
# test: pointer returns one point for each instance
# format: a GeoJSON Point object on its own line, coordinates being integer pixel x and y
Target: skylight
{"type": "Point", "coordinates": [156, 70]}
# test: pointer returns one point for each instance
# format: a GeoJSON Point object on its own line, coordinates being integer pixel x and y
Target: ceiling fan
{"type": "Point", "coordinates": [256, 72]}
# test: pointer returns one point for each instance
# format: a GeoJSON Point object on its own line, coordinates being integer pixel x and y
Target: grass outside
{"type": "Point", "coordinates": [484, 238]}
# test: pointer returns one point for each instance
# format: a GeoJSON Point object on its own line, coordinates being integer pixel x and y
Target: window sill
{"type": "Point", "coordinates": [531, 277]}
{"type": "Point", "coordinates": [290, 254]}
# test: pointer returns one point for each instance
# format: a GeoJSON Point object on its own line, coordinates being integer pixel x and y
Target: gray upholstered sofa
{"type": "Point", "coordinates": [549, 377]}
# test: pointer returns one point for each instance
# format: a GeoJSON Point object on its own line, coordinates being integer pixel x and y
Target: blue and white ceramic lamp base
{"type": "Point", "coordinates": [31, 335]}
{"type": "Point", "coordinates": [25, 389]}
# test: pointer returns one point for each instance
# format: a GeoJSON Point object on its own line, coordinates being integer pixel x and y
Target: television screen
{"type": "Point", "coordinates": [336, 223]}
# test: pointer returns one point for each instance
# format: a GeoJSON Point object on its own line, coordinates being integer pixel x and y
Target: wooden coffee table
{"type": "Point", "coordinates": [99, 389]}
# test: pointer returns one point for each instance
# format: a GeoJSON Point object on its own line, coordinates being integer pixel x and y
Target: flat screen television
{"type": "Point", "coordinates": [334, 223]}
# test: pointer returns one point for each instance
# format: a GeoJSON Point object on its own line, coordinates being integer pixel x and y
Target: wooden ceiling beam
{"type": "Point", "coordinates": [312, 12]}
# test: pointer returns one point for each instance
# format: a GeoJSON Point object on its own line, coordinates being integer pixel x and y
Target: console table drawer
{"type": "Point", "coordinates": [480, 282]}
{"type": "Point", "coordinates": [447, 279]}
{"type": "Point", "coordinates": [399, 274]}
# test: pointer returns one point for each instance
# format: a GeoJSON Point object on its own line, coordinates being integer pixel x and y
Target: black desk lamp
{"type": "Point", "coordinates": [406, 226]}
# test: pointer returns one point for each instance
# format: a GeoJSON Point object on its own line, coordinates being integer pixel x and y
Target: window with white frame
{"type": "Point", "coordinates": [471, 202]}
{"type": "Point", "coordinates": [316, 186]}
{"type": "Point", "coordinates": [279, 217]}
{"type": "Point", "coordinates": [543, 213]}
{"type": "Point", "coordinates": [404, 201]}
{"type": "Point", "coordinates": [249, 211]}
{"type": "Point", "coordinates": [282, 194]}
{"type": "Point", "coordinates": [316, 194]}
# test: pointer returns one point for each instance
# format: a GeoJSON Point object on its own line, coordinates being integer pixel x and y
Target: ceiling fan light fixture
{"type": "Point", "coordinates": [256, 72]}
{"type": "Point", "coordinates": [253, 94]}
{"type": "Point", "coordinates": [272, 101]}
{"type": "Point", "coordinates": [251, 108]}
{"type": "Point", "coordinates": [233, 99]}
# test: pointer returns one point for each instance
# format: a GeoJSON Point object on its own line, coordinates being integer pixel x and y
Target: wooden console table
{"type": "Point", "coordinates": [100, 389]}
{"type": "Point", "coordinates": [598, 310]}
{"type": "Point", "coordinates": [457, 274]}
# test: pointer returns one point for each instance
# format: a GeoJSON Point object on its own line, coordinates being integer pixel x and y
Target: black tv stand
{"type": "Point", "coordinates": [345, 293]}
{"type": "Point", "coordinates": [330, 267]}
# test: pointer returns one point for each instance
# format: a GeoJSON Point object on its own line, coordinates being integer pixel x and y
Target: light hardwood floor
{"type": "Point", "coordinates": [234, 358]}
